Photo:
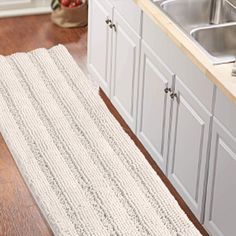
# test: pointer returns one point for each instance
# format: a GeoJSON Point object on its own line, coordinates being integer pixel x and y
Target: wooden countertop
{"type": "Point", "coordinates": [220, 75]}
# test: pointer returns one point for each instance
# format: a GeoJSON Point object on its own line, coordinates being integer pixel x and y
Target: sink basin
{"type": "Point", "coordinates": [195, 16]}
{"type": "Point", "coordinates": [219, 41]}
{"type": "Point", "coordinates": [190, 14]}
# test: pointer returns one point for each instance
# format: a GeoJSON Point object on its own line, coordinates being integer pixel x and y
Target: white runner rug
{"type": "Point", "coordinates": [85, 173]}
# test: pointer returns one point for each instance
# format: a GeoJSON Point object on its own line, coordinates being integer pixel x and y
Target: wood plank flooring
{"type": "Point", "coordinates": [19, 215]}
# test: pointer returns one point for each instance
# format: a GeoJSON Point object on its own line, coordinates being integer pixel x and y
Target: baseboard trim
{"type": "Point", "coordinates": [25, 12]}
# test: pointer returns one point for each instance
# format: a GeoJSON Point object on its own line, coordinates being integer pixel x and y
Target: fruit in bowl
{"type": "Point", "coordinates": [71, 3]}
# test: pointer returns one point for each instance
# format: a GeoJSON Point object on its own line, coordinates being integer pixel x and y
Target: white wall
{"type": "Point", "coordinates": [13, 4]}
{"type": "Point", "coordinates": [23, 7]}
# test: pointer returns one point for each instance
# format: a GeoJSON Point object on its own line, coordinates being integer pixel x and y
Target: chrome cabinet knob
{"type": "Point", "coordinates": [108, 22]}
{"type": "Point", "coordinates": [173, 95]}
{"type": "Point", "coordinates": [167, 90]}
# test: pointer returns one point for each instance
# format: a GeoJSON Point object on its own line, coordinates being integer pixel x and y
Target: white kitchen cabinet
{"type": "Point", "coordinates": [221, 190]}
{"type": "Point", "coordinates": [114, 53]}
{"type": "Point", "coordinates": [185, 123]}
{"type": "Point", "coordinates": [125, 68]}
{"type": "Point", "coordinates": [174, 127]}
{"type": "Point", "coordinates": [189, 145]}
{"type": "Point", "coordinates": [154, 105]}
{"type": "Point", "coordinates": [99, 42]}
{"type": "Point", "coordinates": [190, 119]}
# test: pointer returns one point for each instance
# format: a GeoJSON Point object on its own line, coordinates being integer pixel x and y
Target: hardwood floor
{"type": "Point", "coordinates": [21, 34]}
{"type": "Point", "coordinates": [19, 215]}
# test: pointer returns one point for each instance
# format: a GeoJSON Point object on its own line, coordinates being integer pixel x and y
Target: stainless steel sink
{"type": "Point", "coordinates": [219, 41]}
{"type": "Point", "coordinates": [195, 18]}
{"type": "Point", "coordinates": [190, 14]}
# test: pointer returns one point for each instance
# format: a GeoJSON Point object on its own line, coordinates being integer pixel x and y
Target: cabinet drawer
{"type": "Point", "coordinates": [178, 62]}
{"type": "Point", "coordinates": [225, 112]}
{"type": "Point", "coordinates": [130, 12]}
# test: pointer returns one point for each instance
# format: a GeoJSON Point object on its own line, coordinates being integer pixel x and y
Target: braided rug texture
{"type": "Point", "coordinates": [85, 173]}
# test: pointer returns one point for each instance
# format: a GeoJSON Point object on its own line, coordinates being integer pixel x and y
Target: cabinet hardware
{"type": "Point", "coordinates": [113, 26]}
{"type": "Point", "coordinates": [173, 95]}
{"type": "Point", "coordinates": [108, 22]}
{"type": "Point", "coordinates": [167, 90]}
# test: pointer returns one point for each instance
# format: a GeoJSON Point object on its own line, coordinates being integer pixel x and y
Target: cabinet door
{"type": "Point", "coordinates": [125, 67]}
{"type": "Point", "coordinates": [189, 148]}
{"type": "Point", "coordinates": [154, 105]}
{"type": "Point", "coordinates": [221, 191]}
{"type": "Point", "coordinates": [99, 42]}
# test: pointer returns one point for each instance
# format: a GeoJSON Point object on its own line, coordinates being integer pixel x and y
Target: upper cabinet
{"type": "Point", "coordinates": [114, 52]}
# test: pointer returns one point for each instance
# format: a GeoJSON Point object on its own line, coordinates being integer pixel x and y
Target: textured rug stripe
{"type": "Point", "coordinates": [85, 173]}
{"type": "Point", "coordinates": [65, 139]}
{"type": "Point", "coordinates": [106, 160]}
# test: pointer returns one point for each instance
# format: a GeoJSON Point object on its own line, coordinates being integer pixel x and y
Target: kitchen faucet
{"type": "Point", "coordinates": [216, 9]}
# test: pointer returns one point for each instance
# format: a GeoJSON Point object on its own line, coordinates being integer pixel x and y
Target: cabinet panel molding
{"type": "Point", "coordinates": [178, 62]}
{"type": "Point", "coordinates": [99, 43]}
{"type": "Point", "coordinates": [189, 148]}
{"type": "Point", "coordinates": [154, 105]}
{"type": "Point", "coordinates": [125, 70]}
{"type": "Point", "coordinates": [221, 191]}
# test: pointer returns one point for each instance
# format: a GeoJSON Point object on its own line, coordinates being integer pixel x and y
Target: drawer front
{"type": "Point", "coordinates": [178, 62]}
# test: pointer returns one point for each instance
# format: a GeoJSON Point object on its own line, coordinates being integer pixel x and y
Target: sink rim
{"type": "Point", "coordinates": [214, 60]}
{"type": "Point", "coordinates": [162, 3]}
